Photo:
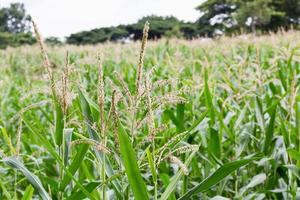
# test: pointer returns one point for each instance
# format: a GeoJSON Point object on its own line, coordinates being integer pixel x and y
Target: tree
{"type": "Point", "coordinates": [228, 16]}
{"type": "Point", "coordinates": [160, 27]}
{"type": "Point", "coordinates": [15, 26]}
{"type": "Point", "coordinates": [255, 14]}
{"type": "Point", "coordinates": [53, 41]}
{"type": "Point", "coordinates": [189, 30]}
{"type": "Point", "coordinates": [14, 19]}
{"type": "Point", "coordinates": [288, 14]}
{"type": "Point", "coordinates": [175, 32]}
{"type": "Point", "coordinates": [216, 16]}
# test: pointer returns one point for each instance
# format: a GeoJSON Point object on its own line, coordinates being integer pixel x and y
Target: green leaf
{"type": "Point", "coordinates": [4, 191]}
{"type": "Point", "coordinates": [90, 187]}
{"type": "Point", "coordinates": [282, 76]}
{"type": "Point", "coordinates": [59, 122]}
{"type": "Point", "coordinates": [151, 164]}
{"type": "Point", "coordinates": [28, 193]}
{"type": "Point", "coordinates": [208, 100]}
{"type": "Point", "coordinates": [180, 116]}
{"type": "Point", "coordinates": [214, 144]}
{"type": "Point", "coordinates": [240, 118]}
{"type": "Point", "coordinates": [8, 140]}
{"type": "Point", "coordinates": [68, 132]}
{"type": "Point", "coordinates": [78, 159]}
{"type": "Point", "coordinates": [172, 117]}
{"type": "Point", "coordinates": [128, 155]}
{"type": "Point", "coordinates": [216, 177]}
{"type": "Point", "coordinates": [294, 154]}
{"type": "Point", "coordinates": [259, 114]}
{"type": "Point", "coordinates": [34, 180]}
{"type": "Point", "coordinates": [270, 129]}
{"type": "Point", "coordinates": [297, 110]}
{"type": "Point", "coordinates": [175, 179]}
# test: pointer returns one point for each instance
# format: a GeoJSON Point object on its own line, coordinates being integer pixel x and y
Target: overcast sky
{"type": "Point", "coordinates": [63, 17]}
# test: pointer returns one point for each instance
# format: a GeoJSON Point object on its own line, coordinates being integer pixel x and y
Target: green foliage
{"type": "Point", "coordinates": [174, 33]}
{"type": "Point", "coordinates": [98, 35]}
{"type": "Point", "coordinates": [5, 39]}
{"type": "Point", "coordinates": [216, 177]}
{"type": "Point", "coordinates": [53, 41]}
{"type": "Point", "coordinates": [232, 15]}
{"type": "Point", "coordinates": [14, 19]}
{"type": "Point", "coordinates": [216, 16]}
{"type": "Point", "coordinates": [128, 155]}
{"type": "Point", "coordinates": [15, 26]}
{"type": "Point", "coordinates": [15, 40]}
{"type": "Point", "coordinates": [160, 27]}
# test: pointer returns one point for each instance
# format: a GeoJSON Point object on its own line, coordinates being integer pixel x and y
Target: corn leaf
{"type": "Point", "coordinates": [216, 177]}
{"type": "Point", "coordinates": [33, 179]}
{"type": "Point", "coordinates": [133, 173]}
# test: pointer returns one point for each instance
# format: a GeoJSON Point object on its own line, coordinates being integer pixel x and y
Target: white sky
{"type": "Point", "coordinates": [63, 17]}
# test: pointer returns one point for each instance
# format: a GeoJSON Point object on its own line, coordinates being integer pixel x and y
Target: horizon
{"type": "Point", "coordinates": [60, 18]}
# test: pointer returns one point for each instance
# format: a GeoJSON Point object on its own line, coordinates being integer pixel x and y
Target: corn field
{"type": "Point", "coordinates": [169, 119]}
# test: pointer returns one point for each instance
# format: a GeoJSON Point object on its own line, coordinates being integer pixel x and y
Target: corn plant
{"type": "Point", "coordinates": [190, 120]}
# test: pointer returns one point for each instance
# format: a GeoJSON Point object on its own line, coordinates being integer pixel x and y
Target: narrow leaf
{"type": "Point", "coordinates": [34, 180]}
{"type": "Point", "coordinates": [270, 129]}
{"type": "Point", "coordinates": [151, 164]}
{"type": "Point", "coordinates": [28, 193]}
{"type": "Point", "coordinates": [208, 100]}
{"type": "Point", "coordinates": [294, 154]}
{"type": "Point", "coordinates": [216, 177]}
{"type": "Point", "coordinates": [214, 144]}
{"type": "Point", "coordinates": [59, 122]}
{"type": "Point", "coordinates": [128, 155]}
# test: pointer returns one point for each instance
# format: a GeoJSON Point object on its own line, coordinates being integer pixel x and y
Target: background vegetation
{"type": "Point", "coordinates": [216, 17]}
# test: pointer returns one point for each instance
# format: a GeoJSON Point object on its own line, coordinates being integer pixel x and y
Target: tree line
{"type": "Point", "coordinates": [215, 17]}
{"type": "Point", "coordinates": [160, 27]}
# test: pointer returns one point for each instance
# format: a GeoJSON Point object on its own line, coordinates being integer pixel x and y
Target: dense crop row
{"type": "Point", "coordinates": [164, 120]}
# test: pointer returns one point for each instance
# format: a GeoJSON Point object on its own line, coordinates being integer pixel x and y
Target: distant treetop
{"type": "Point", "coordinates": [216, 17]}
